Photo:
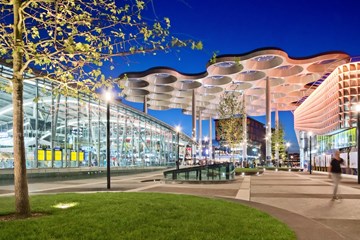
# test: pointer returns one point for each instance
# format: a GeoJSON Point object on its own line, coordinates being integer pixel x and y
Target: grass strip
{"type": "Point", "coordinates": [140, 216]}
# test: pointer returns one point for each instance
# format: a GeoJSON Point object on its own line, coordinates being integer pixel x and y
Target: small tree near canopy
{"type": "Point", "coordinates": [68, 41]}
{"type": "Point", "coordinates": [278, 142]}
{"type": "Point", "coordinates": [230, 111]}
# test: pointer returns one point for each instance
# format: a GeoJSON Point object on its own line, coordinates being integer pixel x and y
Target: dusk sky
{"type": "Point", "coordinates": [300, 28]}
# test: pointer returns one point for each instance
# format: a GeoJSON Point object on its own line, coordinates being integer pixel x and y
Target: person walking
{"type": "Point", "coordinates": [335, 172]}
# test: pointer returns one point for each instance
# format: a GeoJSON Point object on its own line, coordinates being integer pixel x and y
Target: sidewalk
{"type": "Point", "coordinates": [310, 197]}
{"type": "Point", "coordinates": [300, 200]}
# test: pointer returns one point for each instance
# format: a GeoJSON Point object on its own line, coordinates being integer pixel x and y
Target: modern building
{"type": "Point", "coordinates": [293, 160]}
{"type": "Point", "coordinates": [70, 131]}
{"type": "Point", "coordinates": [327, 119]}
{"type": "Point", "coordinates": [255, 147]}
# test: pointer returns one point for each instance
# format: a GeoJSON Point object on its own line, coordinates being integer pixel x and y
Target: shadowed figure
{"type": "Point", "coordinates": [335, 172]}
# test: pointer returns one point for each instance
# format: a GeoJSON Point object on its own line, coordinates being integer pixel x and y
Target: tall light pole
{"type": "Point", "coordinates": [310, 134]}
{"type": "Point", "coordinates": [266, 163]}
{"type": "Point", "coordinates": [358, 140]}
{"type": "Point", "coordinates": [194, 153]}
{"type": "Point", "coordinates": [287, 153]}
{"type": "Point", "coordinates": [178, 129]}
{"type": "Point", "coordinates": [277, 159]}
{"type": "Point", "coordinates": [108, 97]}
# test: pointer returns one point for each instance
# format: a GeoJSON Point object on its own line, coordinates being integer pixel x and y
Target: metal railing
{"type": "Point", "coordinates": [214, 172]}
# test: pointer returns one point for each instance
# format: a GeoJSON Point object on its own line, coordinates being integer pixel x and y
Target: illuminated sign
{"type": "Point", "coordinates": [41, 155]}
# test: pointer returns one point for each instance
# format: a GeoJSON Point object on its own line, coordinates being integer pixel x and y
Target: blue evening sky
{"type": "Point", "coordinates": [301, 28]}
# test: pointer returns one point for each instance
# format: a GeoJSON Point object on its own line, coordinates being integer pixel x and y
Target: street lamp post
{"type": "Point", "coordinates": [277, 159]}
{"type": "Point", "coordinates": [194, 151]}
{"type": "Point", "coordinates": [108, 99]}
{"type": "Point", "coordinates": [287, 153]}
{"type": "Point", "coordinates": [358, 140]}
{"type": "Point", "coordinates": [267, 158]}
{"type": "Point", "coordinates": [310, 134]}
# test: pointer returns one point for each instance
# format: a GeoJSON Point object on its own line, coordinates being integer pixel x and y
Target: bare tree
{"type": "Point", "coordinates": [231, 111]}
{"type": "Point", "coordinates": [71, 42]}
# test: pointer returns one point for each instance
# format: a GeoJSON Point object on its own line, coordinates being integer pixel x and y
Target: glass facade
{"type": "Point", "coordinates": [323, 146]}
{"type": "Point", "coordinates": [344, 139]}
{"type": "Point", "coordinates": [70, 131]}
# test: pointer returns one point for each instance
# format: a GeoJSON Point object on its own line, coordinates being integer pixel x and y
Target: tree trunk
{"type": "Point", "coordinates": [22, 204]}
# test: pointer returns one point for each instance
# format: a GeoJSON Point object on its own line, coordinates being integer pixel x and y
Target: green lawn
{"type": "Point", "coordinates": [138, 216]}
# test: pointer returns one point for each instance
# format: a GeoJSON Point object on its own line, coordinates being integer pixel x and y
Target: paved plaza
{"type": "Point", "coordinates": [301, 200]}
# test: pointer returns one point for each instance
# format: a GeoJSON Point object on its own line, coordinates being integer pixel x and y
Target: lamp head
{"type": "Point", "coordinates": [178, 128]}
{"type": "Point", "coordinates": [108, 96]}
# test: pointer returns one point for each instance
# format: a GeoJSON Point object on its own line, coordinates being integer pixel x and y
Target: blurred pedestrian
{"type": "Point", "coordinates": [335, 172]}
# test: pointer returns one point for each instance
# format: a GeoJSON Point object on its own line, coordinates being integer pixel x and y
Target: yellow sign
{"type": "Point", "coordinates": [73, 156]}
{"type": "Point", "coordinates": [81, 156]}
{"type": "Point", "coordinates": [58, 155]}
{"type": "Point", "coordinates": [48, 155]}
{"type": "Point", "coordinates": [41, 155]}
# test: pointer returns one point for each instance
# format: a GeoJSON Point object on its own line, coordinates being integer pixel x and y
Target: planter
{"type": "Point", "coordinates": [248, 171]}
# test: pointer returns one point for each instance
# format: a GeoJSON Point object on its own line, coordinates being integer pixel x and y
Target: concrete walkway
{"type": "Point", "coordinates": [301, 200]}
